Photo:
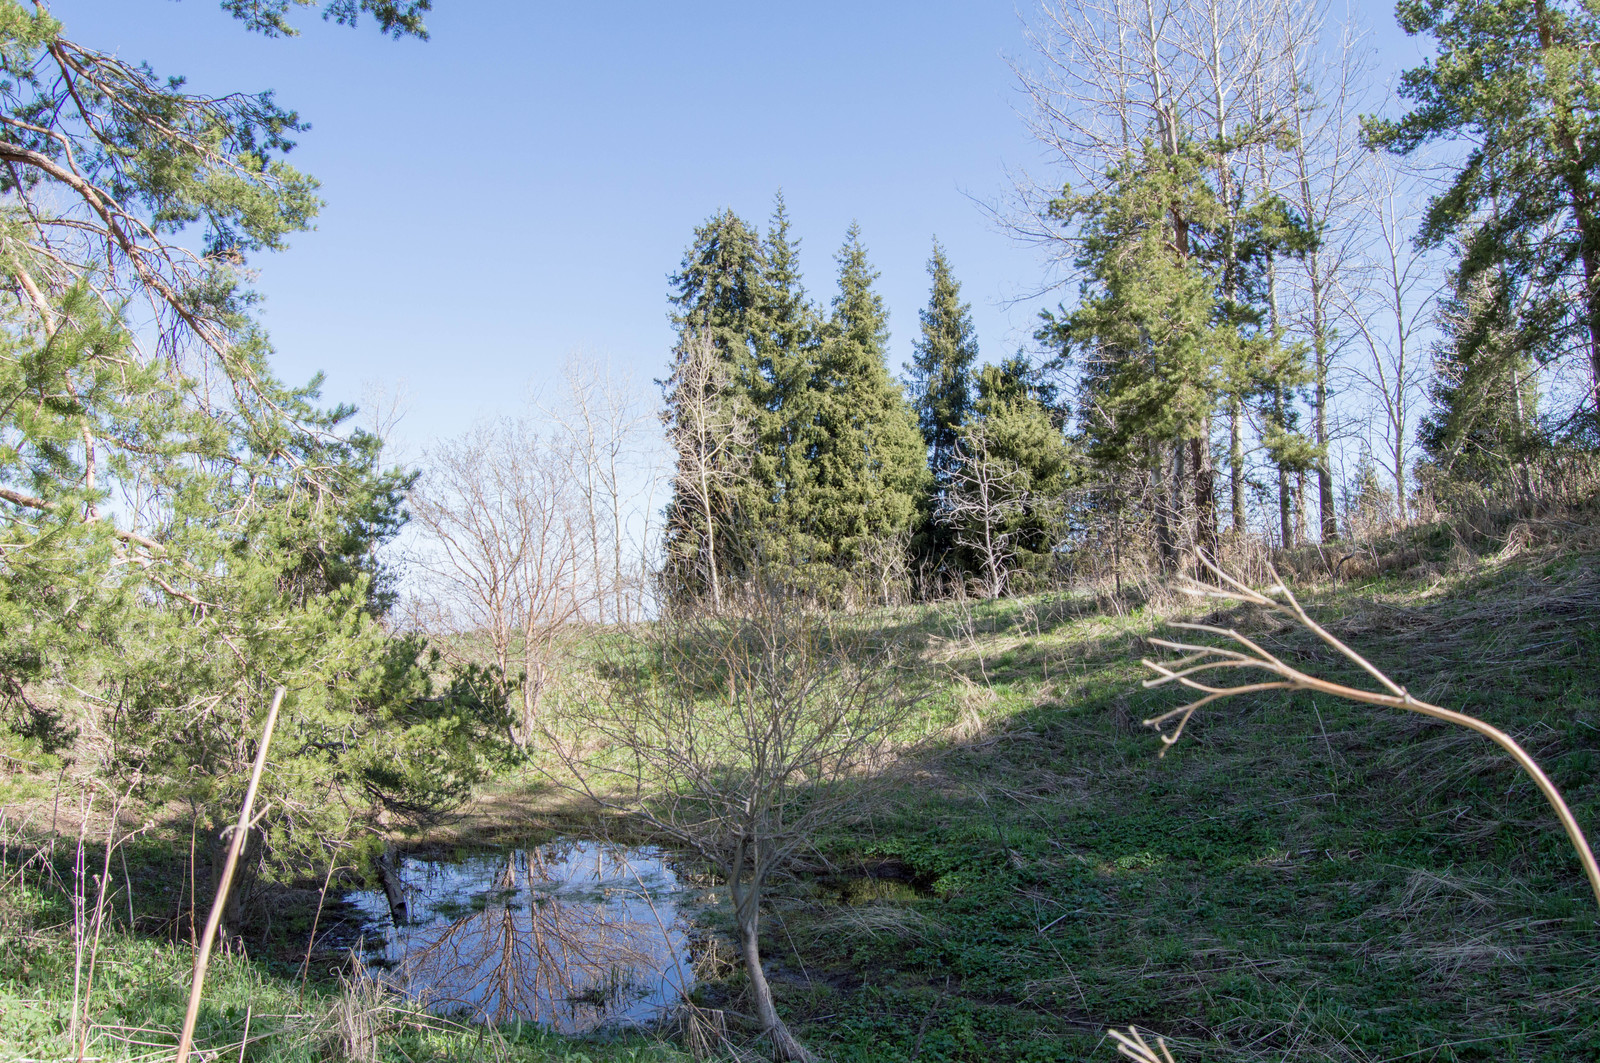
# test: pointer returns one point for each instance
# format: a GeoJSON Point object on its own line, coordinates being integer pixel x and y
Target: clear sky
{"type": "Point", "coordinates": [522, 184]}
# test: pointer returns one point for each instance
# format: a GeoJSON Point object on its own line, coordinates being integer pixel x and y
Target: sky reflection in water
{"type": "Point", "coordinates": [573, 935]}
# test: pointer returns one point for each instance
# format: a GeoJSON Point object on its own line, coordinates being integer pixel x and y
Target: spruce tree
{"type": "Point", "coordinates": [940, 372]}
{"type": "Point", "coordinates": [715, 298]}
{"type": "Point", "coordinates": [865, 459]}
{"type": "Point", "coordinates": [939, 379]}
{"type": "Point", "coordinates": [1484, 418]}
{"type": "Point", "coordinates": [1020, 429]}
{"type": "Point", "coordinates": [786, 330]}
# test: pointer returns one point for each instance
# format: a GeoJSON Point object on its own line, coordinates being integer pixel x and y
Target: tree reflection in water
{"type": "Point", "coordinates": [572, 935]}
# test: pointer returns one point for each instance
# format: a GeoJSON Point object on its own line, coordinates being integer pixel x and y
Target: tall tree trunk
{"type": "Point", "coordinates": [1285, 509]}
{"type": "Point", "coordinates": [1319, 346]}
{"type": "Point", "coordinates": [1236, 463]}
{"type": "Point", "coordinates": [1300, 507]}
{"type": "Point", "coordinates": [1166, 550]}
{"type": "Point", "coordinates": [1205, 496]}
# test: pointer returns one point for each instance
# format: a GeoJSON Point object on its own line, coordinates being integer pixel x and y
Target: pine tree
{"type": "Point", "coordinates": [865, 461]}
{"type": "Point", "coordinates": [239, 552]}
{"type": "Point", "coordinates": [1519, 82]}
{"type": "Point", "coordinates": [1144, 324]}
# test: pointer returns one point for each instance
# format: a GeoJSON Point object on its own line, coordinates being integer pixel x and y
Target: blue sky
{"type": "Point", "coordinates": [522, 185]}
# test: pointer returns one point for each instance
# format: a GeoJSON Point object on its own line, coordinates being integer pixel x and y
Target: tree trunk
{"type": "Point", "coordinates": [1205, 496]}
{"type": "Point", "coordinates": [785, 1048]}
{"type": "Point", "coordinates": [1166, 551]}
{"type": "Point", "coordinates": [1319, 346]}
{"type": "Point", "coordinates": [1236, 464]}
{"type": "Point", "coordinates": [1300, 507]}
{"type": "Point", "coordinates": [534, 677]}
{"type": "Point", "coordinates": [1285, 509]}
{"type": "Point", "coordinates": [244, 873]}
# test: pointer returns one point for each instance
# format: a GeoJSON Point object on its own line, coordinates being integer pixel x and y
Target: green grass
{"type": "Point", "coordinates": [1300, 878]}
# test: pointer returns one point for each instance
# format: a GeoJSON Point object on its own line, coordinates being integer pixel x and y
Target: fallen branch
{"type": "Point", "coordinates": [1202, 660]}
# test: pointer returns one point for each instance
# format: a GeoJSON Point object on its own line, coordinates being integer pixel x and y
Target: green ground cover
{"type": "Point", "coordinates": [1299, 878]}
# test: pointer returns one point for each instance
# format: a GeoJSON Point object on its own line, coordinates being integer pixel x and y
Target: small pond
{"type": "Point", "coordinates": [573, 935]}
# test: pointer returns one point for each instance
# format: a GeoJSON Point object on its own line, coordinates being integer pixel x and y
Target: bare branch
{"type": "Point", "coordinates": [1280, 599]}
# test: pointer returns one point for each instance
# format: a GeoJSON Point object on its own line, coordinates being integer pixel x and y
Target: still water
{"type": "Point", "coordinates": [573, 935]}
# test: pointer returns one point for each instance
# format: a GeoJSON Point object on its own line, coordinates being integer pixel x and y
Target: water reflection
{"type": "Point", "coordinates": [573, 935]}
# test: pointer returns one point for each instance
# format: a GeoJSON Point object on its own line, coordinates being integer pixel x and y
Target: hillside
{"type": "Point", "coordinates": [1299, 878]}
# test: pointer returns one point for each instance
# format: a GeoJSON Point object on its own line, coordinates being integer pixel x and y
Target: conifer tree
{"type": "Point", "coordinates": [715, 379]}
{"type": "Point", "coordinates": [786, 330]}
{"type": "Point", "coordinates": [865, 460]}
{"type": "Point", "coordinates": [180, 530]}
{"type": "Point", "coordinates": [940, 372]}
{"type": "Point", "coordinates": [1518, 82]}
{"type": "Point", "coordinates": [1144, 323]}
{"type": "Point", "coordinates": [1485, 407]}
{"type": "Point", "coordinates": [1020, 430]}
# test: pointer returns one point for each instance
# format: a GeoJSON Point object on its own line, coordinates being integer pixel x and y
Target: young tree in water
{"type": "Point", "coordinates": [740, 735]}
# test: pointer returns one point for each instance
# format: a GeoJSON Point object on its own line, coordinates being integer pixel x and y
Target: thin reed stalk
{"type": "Point", "coordinates": [203, 956]}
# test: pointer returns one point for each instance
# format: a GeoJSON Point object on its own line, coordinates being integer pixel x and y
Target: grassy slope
{"type": "Point", "coordinates": [1298, 879]}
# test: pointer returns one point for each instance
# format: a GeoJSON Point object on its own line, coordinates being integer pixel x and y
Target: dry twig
{"type": "Point", "coordinates": [1133, 1046]}
{"type": "Point", "coordinates": [1200, 660]}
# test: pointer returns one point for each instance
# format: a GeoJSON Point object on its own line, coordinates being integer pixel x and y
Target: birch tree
{"type": "Point", "coordinates": [710, 439]}
{"type": "Point", "coordinates": [612, 462]}
{"type": "Point", "coordinates": [501, 547]}
{"type": "Point", "coordinates": [985, 496]}
{"type": "Point", "coordinates": [1388, 301]}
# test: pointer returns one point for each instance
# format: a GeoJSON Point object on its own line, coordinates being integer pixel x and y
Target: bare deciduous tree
{"type": "Point", "coordinates": [604, 428]}
{"type": "Point", "coordinates": [501, 553]}
{"type": "Point", "coordinates": [709, 437]}
{"type": "Point", "coordinates": [1321, 176]}
{"type": "Point", "coordinates": [986, 494]}
{"type": "Point", "coordinates": [1387, 301]}
{"type": "Point", "coordinates": [739, 734]}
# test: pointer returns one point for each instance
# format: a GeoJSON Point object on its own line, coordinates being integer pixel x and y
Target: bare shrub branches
{"type": "Point", "coordinates": [739, 734]}
{"type": "Point", "coordinates": [1134, 1046]}
{"type": "Point", "coordinates": [1200, 663]}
